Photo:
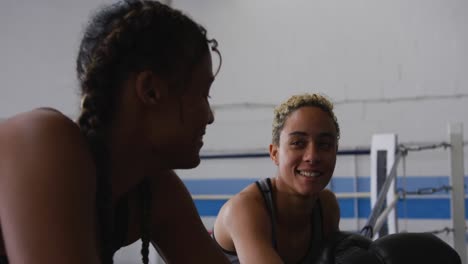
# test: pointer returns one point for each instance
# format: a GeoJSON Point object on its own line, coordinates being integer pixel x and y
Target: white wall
{"type": "Point", "coordinates": [38, 47]}
{"type": "Point", "coordinates": [390, 65]}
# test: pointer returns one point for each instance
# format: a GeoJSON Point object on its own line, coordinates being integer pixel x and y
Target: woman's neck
{"type": "Point", "coordinates": [125, 171]}
{"type": "Point", "coordinates": [130, 162]}
{"type": "Point", "coordinates": [293, 209]}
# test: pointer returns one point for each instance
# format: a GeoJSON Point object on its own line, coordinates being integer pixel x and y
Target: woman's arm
{"type": "Point", "coordinates": [244, 220]}
{"type": "Point", "coordinates": [46, 191]}
{"type": "Point", "coordinates": [177, 230]}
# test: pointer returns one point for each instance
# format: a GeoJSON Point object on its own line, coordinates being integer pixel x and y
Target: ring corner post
{"type": "Point", "coordinates": [384, 148]}
{"type": "Point", "coordinates": [457, 181]}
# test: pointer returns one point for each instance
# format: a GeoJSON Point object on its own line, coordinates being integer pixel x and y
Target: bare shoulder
{"type": "Point", "coordinates": [43, 135]}
{"type": "Point", "coordinates": [37, 120]}
{"type": "Point", "coordinates": [249, 199]}
{"type": "Point", "coordinates": [46, 171]}
{"type": "Point", "coordinates": [331, 211]}
{"type": "Point", "coordinates": [244, 226]}
{"type": "Point", "coordinates": [35, 141]}
{"type": "Point", "coordinates": [244, 210]}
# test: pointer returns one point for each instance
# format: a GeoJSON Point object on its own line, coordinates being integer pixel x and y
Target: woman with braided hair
{"type": "Point", "coordinates": [76, 192]}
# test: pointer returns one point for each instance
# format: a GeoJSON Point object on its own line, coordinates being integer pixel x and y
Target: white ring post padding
{"type": "Point", "coordinates": [383, 193]}
{"type": "Point", "coordinates": [457, 181]}
{"type": "Point", "coordinates": [388, 143]}
{"type": "Point", "coordinates": [382, 218]}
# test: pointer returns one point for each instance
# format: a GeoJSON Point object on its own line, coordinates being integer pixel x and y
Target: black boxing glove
{"type": "Point", "coordinates": [347, 248]}
{"type": "Point", "coordinates": [406, 248]}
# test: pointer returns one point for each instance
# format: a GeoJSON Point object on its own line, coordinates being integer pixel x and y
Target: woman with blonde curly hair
{"type": "Point", "coordinates": [285, 219]}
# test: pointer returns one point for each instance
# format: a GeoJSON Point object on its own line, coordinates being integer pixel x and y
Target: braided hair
{"type": "Point", "coordinates": [120, 39]}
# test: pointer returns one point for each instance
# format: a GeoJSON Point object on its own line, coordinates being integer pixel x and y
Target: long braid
{"type": "Point", "coordinates": [145, 220]}
{"type": "Point", "coordinates": [91, 127]}
{"type": "Point", "coordinates": [96, 107]}
{"type": "Point", "coordinates": [122, 38]}
{"type": "Point", "coordinates": [95, 118]}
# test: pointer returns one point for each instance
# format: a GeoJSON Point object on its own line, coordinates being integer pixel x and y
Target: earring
{"type": "Point", "coordinates": [83, 101]}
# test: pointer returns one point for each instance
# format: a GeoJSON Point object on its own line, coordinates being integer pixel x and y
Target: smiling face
{"type": "Point", "coordinates": [195, 113]}
{"type": "Point", "coordinates": [306, 152]}
{"type": "Point", "coordinates": [175, 124]}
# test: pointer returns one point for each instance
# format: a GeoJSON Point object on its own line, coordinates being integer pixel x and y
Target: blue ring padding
{"type": "Point", "coordinates": [419, 207]}
{"type": "Point", "coordinates": [337, 184]}
{"type": "Point", "coordinates": [433, 208]}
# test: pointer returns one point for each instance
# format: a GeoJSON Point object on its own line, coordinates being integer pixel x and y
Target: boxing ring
{"type": "Point", "coordinates": [386, 150]}
{"type": "Point", "coordinates": [376, 196]}
{"type": "Point", "coordinates": [380, 198]}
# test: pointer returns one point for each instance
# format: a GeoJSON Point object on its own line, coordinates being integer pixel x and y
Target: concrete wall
{"type": "Point", "coordinates": [390, 67]}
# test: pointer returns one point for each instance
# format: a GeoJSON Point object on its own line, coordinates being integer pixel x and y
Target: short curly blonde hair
{"type": "Point", "coordinates": [295, 102]}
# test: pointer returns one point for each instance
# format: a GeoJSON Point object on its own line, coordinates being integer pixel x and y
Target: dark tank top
{"type": "Point", "coordinates": [316, 242]}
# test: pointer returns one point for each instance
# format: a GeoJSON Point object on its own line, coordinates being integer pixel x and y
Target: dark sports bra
{"type": "Point", "coordinates": [317, 237]}
{"type": "Point", "coordinates": [119, 236]}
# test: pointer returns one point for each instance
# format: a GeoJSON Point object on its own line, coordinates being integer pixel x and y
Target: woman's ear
{"type": "Point", "coordinates": [274, 153]}
{"type": "Point", "coordinates": [150, 88]}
